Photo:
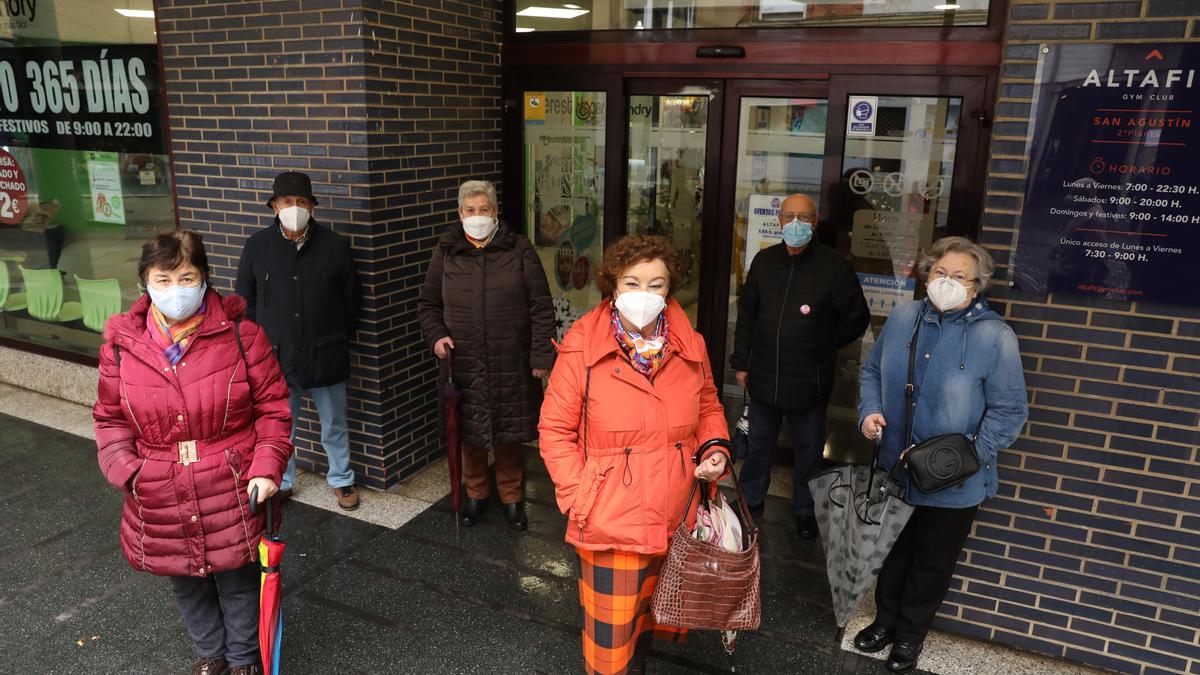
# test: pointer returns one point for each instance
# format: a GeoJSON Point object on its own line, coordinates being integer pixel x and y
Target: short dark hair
{"type": "Point", "coordinates": [170, 250]}
{"type": "Point", "coordinates": [633, 249]}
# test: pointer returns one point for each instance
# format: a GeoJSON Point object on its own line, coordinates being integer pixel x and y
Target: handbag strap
{"type": "Point", "coordinates": [908, 386]}
{"type": "Point", "coordinates": [909, 391]}
{"type": "Point", "coordinates": [751, 527]}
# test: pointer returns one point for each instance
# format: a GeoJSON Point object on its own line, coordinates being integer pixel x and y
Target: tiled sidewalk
{"type": "Point", "coordinates": [360, 597]}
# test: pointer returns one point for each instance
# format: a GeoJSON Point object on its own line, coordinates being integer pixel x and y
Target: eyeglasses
{"type": "Point", "coordinates": [804, 216]}
{"type": "Point", "coordinates": [959, 277]}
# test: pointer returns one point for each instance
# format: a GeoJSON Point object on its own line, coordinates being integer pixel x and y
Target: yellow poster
{"type": "Point", "coordinates": [535, 106]}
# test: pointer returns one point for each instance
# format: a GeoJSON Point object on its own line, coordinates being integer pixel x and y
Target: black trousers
{"type": "Point", "coordinates": [917, 572]}
{"type": "Point", "coordinates": [221, 613]}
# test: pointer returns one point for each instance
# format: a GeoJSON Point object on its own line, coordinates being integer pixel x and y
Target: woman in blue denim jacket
{"type": "Point", "coordinates": [967, 379]}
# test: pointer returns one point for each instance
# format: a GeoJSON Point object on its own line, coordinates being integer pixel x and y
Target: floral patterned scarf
{"type": "Point", "coordinates": [173, 339]}
{"type": "Point", "coordinates": [646, 354]}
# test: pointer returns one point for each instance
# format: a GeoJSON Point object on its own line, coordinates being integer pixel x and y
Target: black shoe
{"type": "Point", "coordinates": [515, 512]}
{"type": "Point", "coordinates": [904, 656]}
{"type": "Point", "coordinates": [472, 510]}
{"type": "Point", "coordinates": [806, 527]}
{"type": "Point", "coordinates": [872, 639]}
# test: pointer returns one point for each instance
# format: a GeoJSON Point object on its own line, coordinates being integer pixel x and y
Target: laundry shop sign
{"type": "Point", "coordinates": [17, 14]}
{"type": "Point", "coordinates": [100, 97]}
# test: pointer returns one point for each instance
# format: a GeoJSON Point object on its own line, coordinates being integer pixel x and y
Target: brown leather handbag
{"type": "Point", "coordinates": [703, 586]}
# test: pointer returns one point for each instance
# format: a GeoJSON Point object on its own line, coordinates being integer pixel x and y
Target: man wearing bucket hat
{"type": "Point", "coordinates": [300, 285]}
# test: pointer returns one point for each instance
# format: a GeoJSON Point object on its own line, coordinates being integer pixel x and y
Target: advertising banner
{"type": "Point", "coordinates": [99, 97]}
{"type": "Point", "coordinates": [762, 224]}
{"type": "Point", "coordinates": [1112, 206]}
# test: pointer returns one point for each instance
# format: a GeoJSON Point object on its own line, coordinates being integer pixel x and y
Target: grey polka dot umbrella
{"type": "Point", "coordinates": [861, 513]}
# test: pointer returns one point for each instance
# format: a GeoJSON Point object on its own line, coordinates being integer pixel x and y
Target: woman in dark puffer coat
{"type": "Point", "coordinates": [485, 305]}
{"type": "Point", "coordinates": [191, 417]}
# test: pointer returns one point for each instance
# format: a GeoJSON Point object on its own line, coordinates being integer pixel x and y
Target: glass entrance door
{"type": "Point", "coordinates": [883, 196]}
{"type": "Point", "coordinates": [673, 128]}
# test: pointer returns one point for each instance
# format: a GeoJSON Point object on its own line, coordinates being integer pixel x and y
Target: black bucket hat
{"type": "Point", "coordinates": [292, 184]}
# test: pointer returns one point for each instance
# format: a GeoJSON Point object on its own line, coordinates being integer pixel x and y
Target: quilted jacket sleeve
{"type": "Point", "coordinates": [272, 417]}
{"type": "Point", "coordinates": [541, 307]}
{"type": "Point", "coordinates": [559, 425]}
{"type": "Point", "coordinates": [114, 435]}
{"type": "Point", "coordinates": [712, 413]}
{"type": "Point", "coordinates": [429, 304]}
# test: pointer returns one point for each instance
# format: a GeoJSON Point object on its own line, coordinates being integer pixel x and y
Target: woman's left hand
{"type": "Point", "coordinates": [266, 488]}
{"type": "Point", "coordinates": [712, 468]}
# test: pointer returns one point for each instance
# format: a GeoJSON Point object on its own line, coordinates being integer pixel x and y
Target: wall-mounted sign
{"type": "Point", "coordinates": [884, 293]}
{"type": "Point", "coordinates": [82, 98]}
{"type": "Point", "coordinates": [1112, 206]}
{"type": "Point", "coordinates": [762, 224]}
{"type": "Point", "coordinates": [13, 190]}
{"type": "Point", "coordinates": [860, 115]}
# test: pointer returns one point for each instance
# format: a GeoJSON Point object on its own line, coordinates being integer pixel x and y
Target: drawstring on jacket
{"type": "Point", "coordinates": [627, 478]}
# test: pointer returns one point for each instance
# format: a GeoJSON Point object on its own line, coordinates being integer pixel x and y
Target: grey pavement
{"type": "Point", "coordinates": [359, 598]}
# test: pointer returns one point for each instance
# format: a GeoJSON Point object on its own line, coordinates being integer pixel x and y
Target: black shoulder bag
{"type": "Point", "coordinates": [942, 461]}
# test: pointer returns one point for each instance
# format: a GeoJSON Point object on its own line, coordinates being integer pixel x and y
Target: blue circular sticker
{"type": "Point", "coordinates": [862, 111]}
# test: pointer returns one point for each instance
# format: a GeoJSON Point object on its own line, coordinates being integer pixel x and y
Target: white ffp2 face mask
{"type": "Point", "coordinates": [640, 308]}
{"type": "Point", "coordinates": [178, 303]}
{"type": "Point", "coordinates": [479, 227]}
{"type": "Point", "coordinates": [946, 293]}
{"type": "Point", "coordinates": [294, 218]}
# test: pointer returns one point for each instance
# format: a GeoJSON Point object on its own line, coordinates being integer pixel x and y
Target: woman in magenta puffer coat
{"type": "Point", "coordinates": [191, 416]}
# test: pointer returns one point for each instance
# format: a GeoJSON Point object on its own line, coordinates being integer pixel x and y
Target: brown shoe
{"type": "Point", "coordinates": [252, 669]}
{"type": "Point", "coordinates": [347, 497]}
{"type": "Point", "coordinates": [210, 667]}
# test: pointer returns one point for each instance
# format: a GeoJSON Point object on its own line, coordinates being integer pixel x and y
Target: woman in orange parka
{"type": "Point", "coordinates": [630, 399]}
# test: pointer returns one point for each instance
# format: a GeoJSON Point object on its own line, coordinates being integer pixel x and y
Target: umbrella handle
{"type": "Point", "coordinates": [270, 512]}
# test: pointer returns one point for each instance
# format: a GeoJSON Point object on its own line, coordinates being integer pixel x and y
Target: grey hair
{"type": "Point", "coordinates": [984, 265]}
{"type": "Point", "coordinates": [474, 188]}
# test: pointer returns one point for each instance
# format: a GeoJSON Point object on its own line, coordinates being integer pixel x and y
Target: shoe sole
{"type": "Point", "coordinates": [876, 650]}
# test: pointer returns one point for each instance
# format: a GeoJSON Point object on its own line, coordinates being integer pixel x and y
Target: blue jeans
{"type": "Point", "coordinates": [335, 438]}
{"type": "Point", "coordinates": [808, 445]}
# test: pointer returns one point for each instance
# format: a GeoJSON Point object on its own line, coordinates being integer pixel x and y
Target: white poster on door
{"type": "Point", "coordinates": [104, 175]}
{"type": "Point", "coordinates": [762, 224]}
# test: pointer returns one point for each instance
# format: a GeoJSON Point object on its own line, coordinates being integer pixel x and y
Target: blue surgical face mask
{"type": "Point", "coordinates": [797, 233]}
{"type": "Point", "coordinates": [178, 303]}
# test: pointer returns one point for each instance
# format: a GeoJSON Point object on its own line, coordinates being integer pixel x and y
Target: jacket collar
{"type": "Point", "coordinates": [599, 342]}
{"type": "Point", "coordinates": [978, 310]}
{"type": "Point", "coordinates": [454, 240]}
{"type": "Point", "coordinates": [219, 311]}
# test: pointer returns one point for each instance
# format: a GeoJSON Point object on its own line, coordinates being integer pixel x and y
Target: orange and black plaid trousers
{"type": "Point", "coordinates": [615, 590]}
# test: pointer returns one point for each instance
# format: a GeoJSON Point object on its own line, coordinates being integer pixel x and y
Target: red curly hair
{"type": "Point", "coordinates": [631, 250]}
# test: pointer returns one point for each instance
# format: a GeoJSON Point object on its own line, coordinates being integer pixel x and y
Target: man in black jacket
{"type": "Point", "coordinates": [300, 285]}
{"type": "Point", "coordinates": [801, 302]}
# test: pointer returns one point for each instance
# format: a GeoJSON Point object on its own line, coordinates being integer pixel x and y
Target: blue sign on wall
{"type": "Point", "coordinates": [1112, 203]}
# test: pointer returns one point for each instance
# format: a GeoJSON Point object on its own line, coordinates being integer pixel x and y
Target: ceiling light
{"type": "Point", "coordinates": [137, 13]}
{"type": "Point", "coordinates": [572, 6]}
{"type": "Point", "coordinates": [523, 29]}
{"type": "Point", "coordinates": [947, 7]}
{"type": "Point", "coordinates": [552, 12]}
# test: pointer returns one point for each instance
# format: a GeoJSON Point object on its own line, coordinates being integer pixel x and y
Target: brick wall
{"type": "Point", "coordinates": [1092, 550]}
{"type": "Point", "coordinates": [387, 106]}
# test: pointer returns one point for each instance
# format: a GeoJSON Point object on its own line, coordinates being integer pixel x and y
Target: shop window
{"type": "Point", "coordinates": [539, 15]}
{"type": "Point", "coordinates": [84, 173]}
{"type": "Point", "coordinates": [564, 194]}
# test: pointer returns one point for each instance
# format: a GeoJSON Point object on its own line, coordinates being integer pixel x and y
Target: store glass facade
{"type": "Point", "coordinates": [539, 15]}
{"type": "Point", "coordinates": [84, 172]}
